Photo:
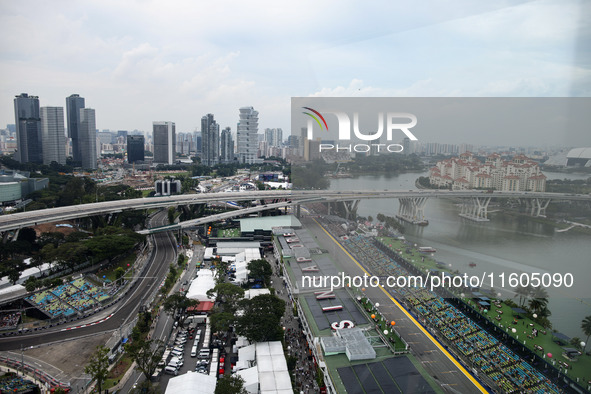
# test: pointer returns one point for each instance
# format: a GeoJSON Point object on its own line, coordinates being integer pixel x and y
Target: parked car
{"type": "Point", "coordinates": [177, 360]}
{"type": "Point", "coordinates": [171, 370]}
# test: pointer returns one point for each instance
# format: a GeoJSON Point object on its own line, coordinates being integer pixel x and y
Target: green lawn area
{"type": "Point", "coordinates": [229, 233]}
{"type": "Point", "coordinates": [145, 193]}
{"type": "Point", "coordinates": [110, 272]}
{"type": "Point", "coordinates": [580, 368]}
{"type": "Point", "coordinates": [117, 372]}
{"type": "Point", "coordinates": [420, 260]}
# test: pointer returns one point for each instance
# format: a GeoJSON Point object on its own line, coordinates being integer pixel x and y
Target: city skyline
{"type": "Point", "coordinates": [113, 57]}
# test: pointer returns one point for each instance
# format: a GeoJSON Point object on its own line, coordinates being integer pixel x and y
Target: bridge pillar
{"type": "Point", "coordinates": [411, 209]}
{"type": "Point", "coordinates": [538, 206]}
{"type": "Point", "coordinates": [298, 211]}
{"type": "Point", "coordinates": [351, 209]}
{"type": "Point", "coordinates": [476, 209]}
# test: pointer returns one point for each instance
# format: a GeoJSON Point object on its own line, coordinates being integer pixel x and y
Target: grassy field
{"type": "Point", "coordinates": [229, 233]}
{"type": "Point", "coordinates": [109, 273]}
{"type": "Point", "coordinates": [418, 259]}
{"type": "Point", "coordinates": [117, 372]}
{"type": "Point", "coordinates": [524, 326]}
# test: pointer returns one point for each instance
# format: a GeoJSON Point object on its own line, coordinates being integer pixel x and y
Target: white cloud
{"type": "Point", "coordinates": [138, 61]}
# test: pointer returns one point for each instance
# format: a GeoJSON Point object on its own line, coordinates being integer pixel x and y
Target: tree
{"type": "Point", "coordinates": [261, 319]}
{"type": "Point", "coordinates": [221, 267]}
{"type": "Point", "coordinates": [177, 301]}
{"type": "Point", "coordinates": [228, 295]}
{"type": "Point", "coordinates": [146, 354]}
{"type": "Point", "coordinates": [538, 300]}
{"type": "Point", "coordinates": [221, 320]}
{"type": "Point", "coordinates": [230, 384]}
{"type": "Point", "coordinates": [98, 366]}
{"type": "Point", "coordinates": [586, 326]}
{"type": "Point", "coordinates": [119, 272]}
{"type": "Point", "coordinates": [260, 269]}
{"type": "Point", "coordinates": [576, 343]}
{"type": "Point", "coordinates": [171, 214]}
{"type": "Point", "coordinates": [523, 293]}
{"type": "Point", "coordinates": [27, 235]}
{"type": "Point", "coordinates": [13, 276]}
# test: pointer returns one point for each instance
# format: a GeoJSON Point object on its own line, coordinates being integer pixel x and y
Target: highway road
{"type": "Point", "coordinates": [445, 372]}
{"type": "Point", "coordinates": [25, 219]}
{"type": "Point", "coordinates": [164, 327]}
{"type": "Point", "coordinates": [122, 312]}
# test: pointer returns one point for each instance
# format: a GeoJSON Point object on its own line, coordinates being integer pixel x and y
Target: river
{"type": "Point", "coordinates": [504, 244]}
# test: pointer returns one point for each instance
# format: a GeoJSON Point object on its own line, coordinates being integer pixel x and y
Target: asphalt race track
{"type": "Point", "coordinates": [163, 254]}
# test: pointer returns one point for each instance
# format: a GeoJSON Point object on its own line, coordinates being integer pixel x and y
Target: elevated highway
{"type": "Point", "coordinates": [412, 203]}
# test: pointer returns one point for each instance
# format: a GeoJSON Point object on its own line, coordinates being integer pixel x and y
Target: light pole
{"type": "Point", "coordinates": [22, 360]}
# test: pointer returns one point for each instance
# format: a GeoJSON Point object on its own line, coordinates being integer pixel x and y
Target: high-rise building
{"type": "Point", "coordinates": [164, 142]}
{"type": "Point", "coordinates": [210, 141]}
{"type": "Point", "coordinates": [73, 105]}
{"type": "Point", "coordinates": [53, 135]}
{"type": "Point", "coordinates": [28, 129]}
{"type": "Point", "coordinates": [227, 146]}
{"type": "Point", "coordinates": [135, 148]}
{"type": "Point", "coordinates": [198, 143]}
{"type": "Point", "coordinates": [293, 141]}
{"type": "Point", "coordinates": [87, 138]}
{"type": "Point", "coordinates": [274, 137]}
{"type": "Point", "coordinates": [248, 127]}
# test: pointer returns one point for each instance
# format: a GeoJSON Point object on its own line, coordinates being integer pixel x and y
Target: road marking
{"type": "Point", "coordinates": [427, 334]}
{"type": "Point", "coordinates": [88, 324]}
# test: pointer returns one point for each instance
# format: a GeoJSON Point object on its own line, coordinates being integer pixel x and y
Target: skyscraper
{"type": "Point", "coordinates": [227, 146]}
{"type": "Point", "coordinates": [53, 136]}
{"type": "Point", "coordinates": [274, 137]}
{"type": "Point", "coordinates": [73, 105]}
{"type": "Point", "coordinates": [164, 142]}
{"type": "Point", "coordinates": [87, 138]}
{"type": "Point", "coordinates": [28, 129]}
{"type": "Point", "coordinates": [135, 148]}
{"type": "Point", "coordinates": [210, 141]}
{"type": "Point", "coordinates": [248, 127]}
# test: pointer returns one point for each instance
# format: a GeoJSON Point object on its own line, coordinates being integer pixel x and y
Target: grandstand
{"type": "Point", "coordinates": [68, 299]}
{"type": "Point", "coordinates": [505, 369]}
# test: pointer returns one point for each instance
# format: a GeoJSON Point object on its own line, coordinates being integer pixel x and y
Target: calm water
{"type": "Point", "coordinates": [504, 244]}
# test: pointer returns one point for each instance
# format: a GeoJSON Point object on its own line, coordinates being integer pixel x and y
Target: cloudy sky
{"type": "Point", "coordinates": [145, 60]}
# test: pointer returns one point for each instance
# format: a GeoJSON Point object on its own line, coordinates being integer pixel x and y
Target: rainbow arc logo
{"type": "Point", "coordinates": [315, 118]}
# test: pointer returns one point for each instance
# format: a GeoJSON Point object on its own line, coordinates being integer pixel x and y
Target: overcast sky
{"type": "Point", "coordinates": [140, 61]}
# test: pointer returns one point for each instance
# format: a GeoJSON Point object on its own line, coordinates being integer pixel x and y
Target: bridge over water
{"type": "Point", "coordinates": [474, 204]}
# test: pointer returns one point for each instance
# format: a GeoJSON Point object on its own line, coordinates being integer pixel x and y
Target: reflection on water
{"type": "Point", "coordinates": [505, 244]}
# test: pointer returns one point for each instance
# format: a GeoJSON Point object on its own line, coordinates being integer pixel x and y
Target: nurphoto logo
{"type": "Point", "coordinates": [355, 125]}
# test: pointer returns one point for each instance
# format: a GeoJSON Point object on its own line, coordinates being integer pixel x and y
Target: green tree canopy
{"type": "Point", "coordinates": [230, 384]}
{"type": "Point", "coordinates": [98, 366]}
{"type": "Point", "coordinates": [260, 269]}
{"type": "Point", "coordinates": [261, 319]}
{"type": "Point", "coordinates": [586, 326]}
{"type": "Point", "coordinates": [175, 302]}
{"type": "Point", "coordinates": [146, 354]}
{"type": "Point", "coordinates": [228, 295]}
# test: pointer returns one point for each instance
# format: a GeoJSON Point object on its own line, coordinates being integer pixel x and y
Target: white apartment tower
{"type": "Point", "coordinates": [248, 128]}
